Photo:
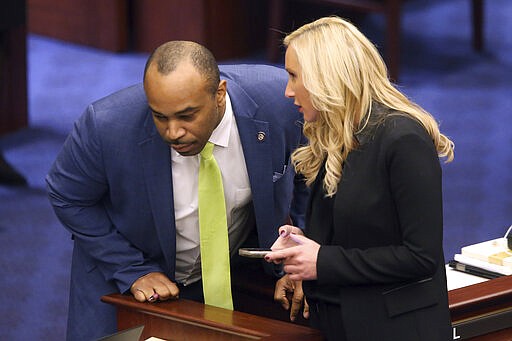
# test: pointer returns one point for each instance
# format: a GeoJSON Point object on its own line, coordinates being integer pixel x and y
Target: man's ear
{"type": "Point", "coordinates": [221, 93]}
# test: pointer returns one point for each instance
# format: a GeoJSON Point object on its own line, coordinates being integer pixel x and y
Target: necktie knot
{"type": "Point", "coordinates": [207, 151]}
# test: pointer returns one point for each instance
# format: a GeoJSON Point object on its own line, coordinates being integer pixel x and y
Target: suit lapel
{"type": "Point", "coordinates": [157, 175]}
{"type": "Point", "coordinates": [257, 147]}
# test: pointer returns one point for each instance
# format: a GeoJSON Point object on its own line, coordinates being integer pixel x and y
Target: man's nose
{"type": "Point", "coordinates": [174, 131]}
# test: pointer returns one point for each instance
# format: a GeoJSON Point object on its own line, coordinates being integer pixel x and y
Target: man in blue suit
{"type": "Point", "coordinates": [125, 182]}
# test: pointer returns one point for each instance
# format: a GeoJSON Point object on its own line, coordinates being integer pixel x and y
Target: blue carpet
{"type": "Point", "coordinates": [468, 92]}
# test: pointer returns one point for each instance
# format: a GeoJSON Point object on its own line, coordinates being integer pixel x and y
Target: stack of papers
{"type": "Point", "coordinates": [489, 259]}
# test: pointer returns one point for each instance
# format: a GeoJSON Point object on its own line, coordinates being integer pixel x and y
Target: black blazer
{"type": "Point", "coordinates": [381, 256]}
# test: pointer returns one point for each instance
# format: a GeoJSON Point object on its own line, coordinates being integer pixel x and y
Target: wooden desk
{"type": "Point", "coordinates": [189, 320]}
{"type": "Point", "coordinates": [480, 312]}
{"type": "Point", "coordinates": [477, 310]}
{"type": "Point", "coordinates": [483, 311]}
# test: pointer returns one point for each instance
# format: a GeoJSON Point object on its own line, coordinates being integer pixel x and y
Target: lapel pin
{"type": "Point", "coordinates": [261, 136]}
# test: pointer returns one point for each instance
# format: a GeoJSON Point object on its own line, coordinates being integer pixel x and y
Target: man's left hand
{"type": "Point", "coordinates": [154, 286]}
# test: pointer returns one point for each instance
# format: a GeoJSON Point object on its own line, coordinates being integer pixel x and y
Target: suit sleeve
{"type": "Point", "coordinates": [415, 183]}
{"type": "Point", "coordinates": [78, 189]}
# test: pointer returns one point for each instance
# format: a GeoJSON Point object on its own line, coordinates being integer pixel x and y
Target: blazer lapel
{"type": "Point", "coordinates": [158, 175]}
{"type": "Point", "coordinates": [256, 144]}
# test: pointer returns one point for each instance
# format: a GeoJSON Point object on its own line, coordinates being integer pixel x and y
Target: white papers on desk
{"type": "Point", "coordinates": [456, 279]}
{"type": "Point", "coordinates": [494, 251]}
{"type": "Point", "coordinates": [483, 265]}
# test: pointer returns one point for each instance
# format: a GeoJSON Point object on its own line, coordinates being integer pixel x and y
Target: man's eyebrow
{"type": "Point", "coordinates": [183, 111]}
{"type": "Point", "coordinates": [154, 111]}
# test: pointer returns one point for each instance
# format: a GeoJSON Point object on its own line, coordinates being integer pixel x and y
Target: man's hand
{"type": "Point", "coordinates": [154, 286]}
{"type": "Point", "coordinates": [286, 286]}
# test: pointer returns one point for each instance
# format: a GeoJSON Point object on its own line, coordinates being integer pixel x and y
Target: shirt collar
{"type": "Point", "coordinates": [220, 135]}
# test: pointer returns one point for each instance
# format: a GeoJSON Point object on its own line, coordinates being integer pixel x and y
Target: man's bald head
{"type": "Point", "coordinates": [168, 56]}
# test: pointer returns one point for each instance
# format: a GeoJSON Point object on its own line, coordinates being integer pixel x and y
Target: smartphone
{"type": "Point", "coordinates": [253, 252]}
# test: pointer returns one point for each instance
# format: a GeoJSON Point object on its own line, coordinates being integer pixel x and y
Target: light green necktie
{"type": "Point", "coordinates": [213, 230]}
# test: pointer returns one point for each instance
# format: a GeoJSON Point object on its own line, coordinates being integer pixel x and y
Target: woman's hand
{"type": "Point", "coordinates": [299, 260]}
{"type": "Point", "coordinates": [286, 237]}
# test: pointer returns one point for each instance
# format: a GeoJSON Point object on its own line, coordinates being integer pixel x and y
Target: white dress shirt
{"type": "Point", "coordinates": [237, 191]}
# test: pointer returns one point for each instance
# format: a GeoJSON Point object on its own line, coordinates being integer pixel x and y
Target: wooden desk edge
{"type": "Point", "coordinates": [212, 317]}
{"type": "Point", "coordinates": [481, 296]}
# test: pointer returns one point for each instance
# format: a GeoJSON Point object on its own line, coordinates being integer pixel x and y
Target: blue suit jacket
{"type": "Point", "coordinates": [111, 187]}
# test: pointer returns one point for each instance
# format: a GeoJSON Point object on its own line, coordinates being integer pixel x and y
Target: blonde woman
{"type": "Point", "coordinates": [370, 261]}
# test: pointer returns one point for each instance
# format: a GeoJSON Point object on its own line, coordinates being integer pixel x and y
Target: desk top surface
{"type": "Point", "coordinates": [458, 279]}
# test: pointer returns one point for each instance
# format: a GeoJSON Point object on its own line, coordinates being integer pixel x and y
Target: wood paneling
{"type": "Point", "coordinates": [13, 67]}
{"type": "Point", "coordinates": [98, 23]}
{"type": "Point", "coordinates": [229, 28]}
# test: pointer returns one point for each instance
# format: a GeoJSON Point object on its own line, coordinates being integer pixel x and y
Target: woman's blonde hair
{"type": "Point", "coordinates": [343, 73]}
